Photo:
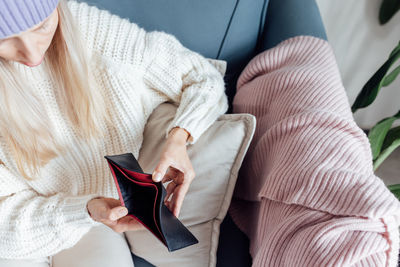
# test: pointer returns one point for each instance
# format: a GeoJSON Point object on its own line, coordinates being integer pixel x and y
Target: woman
{"type": "Point", "coordinates": [67, 100]}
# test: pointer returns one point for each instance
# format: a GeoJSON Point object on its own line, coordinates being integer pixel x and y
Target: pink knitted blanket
{"type": "Point", "coordinates": [306, 194]}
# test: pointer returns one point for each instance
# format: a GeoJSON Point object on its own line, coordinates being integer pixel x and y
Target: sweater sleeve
{"type": "Point", "coordinates": [33, 225]}
{"type": "Point", "coordinates": [185, 77]}
{"type": "Point", "coordinates": [172, 72]}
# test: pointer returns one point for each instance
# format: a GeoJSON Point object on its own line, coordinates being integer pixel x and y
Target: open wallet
{"type": "Point", "coordinates": [144, 200]}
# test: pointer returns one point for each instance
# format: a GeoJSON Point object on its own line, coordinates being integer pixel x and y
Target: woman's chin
{"type": "Point", "coordinates": [32, 64]}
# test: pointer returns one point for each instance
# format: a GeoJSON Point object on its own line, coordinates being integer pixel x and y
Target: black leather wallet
{"type": "Point", "coordinates": [144, 200]}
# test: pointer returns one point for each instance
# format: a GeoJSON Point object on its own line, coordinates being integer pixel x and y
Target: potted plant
{"type": "Point", "coordinates": [384, 138]}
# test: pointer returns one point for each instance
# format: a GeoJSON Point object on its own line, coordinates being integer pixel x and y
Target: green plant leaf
{"type": "Point", "coordinates": [395, 189]}
{"type": "Point", "coordinates": [395, 50]}
{"type": "Point", "coordinates": [391, 142]}
{"type": "Point", "coordinates": [388, 79]}
{"type": "Point", "coordinates": [391, 136]}
{"type": "Point", "coordinates": [387, 10]}
{"type": "Point", "coordinates": [374, 84]}
{"type": "Point", "coordinates": [378, 133]}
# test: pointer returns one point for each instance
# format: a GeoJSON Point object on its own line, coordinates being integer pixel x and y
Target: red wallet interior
{"type": "Point", "coordinates": [142, 203]}
{"type": "Point", "coordinates": [143, 177]}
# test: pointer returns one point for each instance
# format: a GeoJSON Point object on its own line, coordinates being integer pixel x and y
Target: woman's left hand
{"type": "Point", "coordinates": [175, 166]}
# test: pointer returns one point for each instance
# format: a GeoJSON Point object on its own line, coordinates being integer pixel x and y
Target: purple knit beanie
{"type": "Point", "coordinates": [19, 15]}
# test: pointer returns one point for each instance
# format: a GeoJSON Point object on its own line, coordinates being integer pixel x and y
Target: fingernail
{"type": "Point", "coordinates": [114, 216]}
{"type": "Point", "coordinates": [157, 177]}
{"type": "Point", "coordinates": [122, 212]}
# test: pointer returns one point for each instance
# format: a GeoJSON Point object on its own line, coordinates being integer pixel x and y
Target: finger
{"type": "Point", "coordinates": [160, 170]}
{"type": "Point", "coordinates": [180, 177]}
{"type": "Point", "coordinates": [126, 220]}
{"type": "Point", "coordinates": [122, 224]}
{"type": "Point", "coordinates": [112, 202]}
{"type": "Point", "coordinates": [168, 205]}
{"type": "Point", "coordinates": [170, 188]}
{"type": "Point", "coordinates": [131, 223]}
{"type": "Point", "coordinates": [177, 198]}
{"type": "Point", "coordinates": [128, 223]}
{"type": "Point", "coordinates": [118, 212]}
{"type": "Point", "coordinates": [102, 211]}
{"type": "Point", "coordinates": [183, 172]}
{"type": "Point", "coordinates": [110, 214]}
{"type": "Point", "coordinates": [170, 175]}
{"type": "Point", "coordinates": [116, 225]}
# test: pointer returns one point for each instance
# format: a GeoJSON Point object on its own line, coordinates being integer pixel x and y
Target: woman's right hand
{"type": "Point", "coordinates": [110, 212]}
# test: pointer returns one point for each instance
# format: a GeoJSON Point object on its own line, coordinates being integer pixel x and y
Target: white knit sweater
{"type": "Point", "coordinates": [137, 70]}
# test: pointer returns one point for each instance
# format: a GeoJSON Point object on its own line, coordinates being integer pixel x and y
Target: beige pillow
{"type": "Point", "coordinates": [216, 158]}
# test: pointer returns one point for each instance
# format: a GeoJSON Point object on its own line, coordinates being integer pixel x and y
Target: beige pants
{"type": "Point", "coordinates": [100, 247]}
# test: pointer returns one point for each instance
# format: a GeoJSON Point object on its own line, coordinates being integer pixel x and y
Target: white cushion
{"type": "Point", "coordinates": [216, 158]}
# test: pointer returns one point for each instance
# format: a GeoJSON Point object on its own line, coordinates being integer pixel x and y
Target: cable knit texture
{"type": "Point", "coordinates": [136, 71]}
{"type": "Point", "coordinates": [306, 194]}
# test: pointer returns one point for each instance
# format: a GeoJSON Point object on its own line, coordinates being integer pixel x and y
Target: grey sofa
{"type": "Point", "coordinates": [231, 30]}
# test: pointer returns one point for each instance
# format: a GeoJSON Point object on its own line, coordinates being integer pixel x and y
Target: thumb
{"type": "Point", "coordinates": [118, 212]}
{"type": "Point", "coordinates": [109, 211]}
{"type": "Point", "coordinates": [160, 171]}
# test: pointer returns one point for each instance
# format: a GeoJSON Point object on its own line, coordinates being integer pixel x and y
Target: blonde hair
{"type": "Point", "coordinates": [24, 122]}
